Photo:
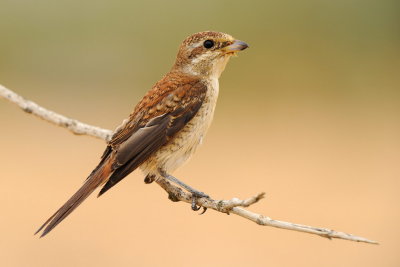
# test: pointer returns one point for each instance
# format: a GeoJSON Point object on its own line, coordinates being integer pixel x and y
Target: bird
{"type": "Point", "coordinates": [166, 126]}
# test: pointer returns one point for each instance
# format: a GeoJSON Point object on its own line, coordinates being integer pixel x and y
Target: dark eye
{"type": "Point", "coordinates": [208, 44]}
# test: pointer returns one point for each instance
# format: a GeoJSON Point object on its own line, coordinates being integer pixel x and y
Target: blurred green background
{"type": "Point", "coordinates": [309, 114]}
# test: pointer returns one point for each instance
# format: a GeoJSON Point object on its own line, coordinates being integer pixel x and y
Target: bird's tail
{"type": "Point", "coordinates": [98, 177]}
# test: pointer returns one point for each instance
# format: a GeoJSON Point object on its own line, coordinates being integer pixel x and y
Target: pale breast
{"type": "Point", "coordinates": [185, 142]}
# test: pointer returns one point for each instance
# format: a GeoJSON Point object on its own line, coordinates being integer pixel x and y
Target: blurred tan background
{"type": "Point", "coordinates": [309, 114]}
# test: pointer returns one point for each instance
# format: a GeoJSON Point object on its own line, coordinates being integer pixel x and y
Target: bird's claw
{"type": "Point", "coordinates": [195, 196]}
{"type": "Point", "coordinates": [204, 211]}
{"type": "Point", "coordinates": [194, 206]}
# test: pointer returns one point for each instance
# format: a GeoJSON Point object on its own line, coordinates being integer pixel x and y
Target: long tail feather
{"type": "Point", "coordinates": [96, 178]}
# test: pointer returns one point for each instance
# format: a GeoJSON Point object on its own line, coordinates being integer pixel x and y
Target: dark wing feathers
{"type": "Point", "coordinates": [138, 141]}
{"type": "Point", "coordinates": [134, 151]}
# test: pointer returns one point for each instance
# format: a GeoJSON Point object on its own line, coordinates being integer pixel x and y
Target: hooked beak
{"type": "Point", "coordinates": [236, 46]}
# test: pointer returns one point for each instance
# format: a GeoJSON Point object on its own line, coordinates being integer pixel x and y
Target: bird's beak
{"type": "Point", "coordinates": [236, 46]}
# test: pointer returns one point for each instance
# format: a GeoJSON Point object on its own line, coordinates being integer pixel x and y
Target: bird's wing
{"type": "Point", "coordinates": [176, 109]}
{"type": "Point", "coordinates": [170, 93]}
{"type": "Point", "coordinates": [132, 144]}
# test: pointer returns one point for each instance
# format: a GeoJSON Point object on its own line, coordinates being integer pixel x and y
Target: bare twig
{"type": "Point", "coordinates": [233, 206]}
{"type": "Point", "coordinates": [74, 126]}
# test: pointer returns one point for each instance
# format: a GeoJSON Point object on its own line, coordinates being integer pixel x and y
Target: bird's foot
{"type": "Point", "coordinates": [196, 195]}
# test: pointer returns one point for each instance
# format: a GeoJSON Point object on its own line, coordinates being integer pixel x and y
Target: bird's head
{"type": "Point", "coordinates": [207, 53]}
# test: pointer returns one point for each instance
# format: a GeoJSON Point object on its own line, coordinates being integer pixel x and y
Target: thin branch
{"type": "Point", "coordinates": [74, 126]}
{"type": "Point", "coordinates": [233, 206]}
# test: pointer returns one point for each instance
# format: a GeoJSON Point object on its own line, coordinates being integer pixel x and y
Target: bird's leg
{"type": "Point", "coordinates": [195, 193]}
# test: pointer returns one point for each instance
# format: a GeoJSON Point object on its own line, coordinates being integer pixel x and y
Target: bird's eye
{"type": "Point", "coordinates": [208, 44]}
